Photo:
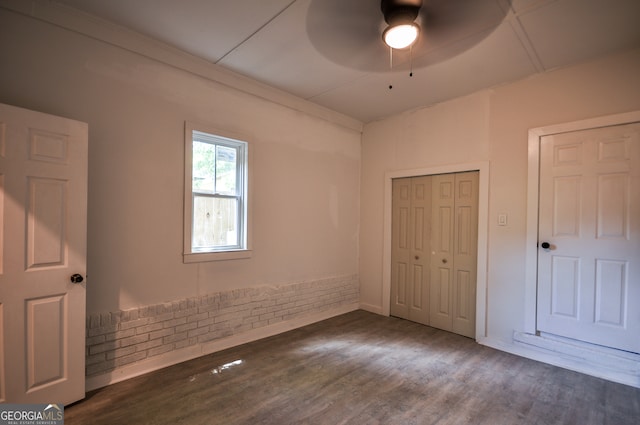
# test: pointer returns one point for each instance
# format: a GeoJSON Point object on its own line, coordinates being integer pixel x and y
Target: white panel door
{"type": "Point", "coordinates": [43, 176]}
{"type": "Point", "coordinates": [588, 275]}
{"type": "Point", "coordinates": [411, 220]}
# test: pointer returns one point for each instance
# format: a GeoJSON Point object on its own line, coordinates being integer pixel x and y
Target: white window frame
{"type": "Point", "coordinates": [191, 255]}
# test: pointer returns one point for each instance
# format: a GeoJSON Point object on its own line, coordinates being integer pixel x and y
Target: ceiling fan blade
{"type": "Point", "coordinates": [349, 32]}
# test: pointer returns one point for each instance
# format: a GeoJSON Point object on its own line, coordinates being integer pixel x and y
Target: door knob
{"type": "Point", "coordinates": [417, 257]}
{"type": "Point", "coordinates": [76, 278]}
{"type": "Point", "coordinates": [545, 245]}
{"type": "Point", "coordinates": [444, 261]}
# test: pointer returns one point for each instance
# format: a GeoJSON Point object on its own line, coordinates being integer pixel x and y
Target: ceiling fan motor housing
{"type": "Point", "coordinates": [400, 11]}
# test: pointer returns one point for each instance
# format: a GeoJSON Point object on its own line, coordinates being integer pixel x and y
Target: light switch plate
{"type": "Point", "coordinates": [502, 219]}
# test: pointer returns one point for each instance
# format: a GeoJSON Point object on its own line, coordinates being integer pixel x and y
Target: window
{"type": "Point", "coordinates": [216, 177]}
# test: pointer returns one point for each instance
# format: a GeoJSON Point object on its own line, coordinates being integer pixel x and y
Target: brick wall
{"type": "Point", "coordinates": [121, 338]}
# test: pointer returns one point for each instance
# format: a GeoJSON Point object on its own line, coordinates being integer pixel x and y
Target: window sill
{"type": "Point", "coordinates": [200, 257]}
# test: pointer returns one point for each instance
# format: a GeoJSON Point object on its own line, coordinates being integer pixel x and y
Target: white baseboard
{"type": "Point", "coordinates": [623, 368]}
{"type": "Point", "coordinates": [189, 353]}
{"type": "Point", "coordinates": [371, 308]}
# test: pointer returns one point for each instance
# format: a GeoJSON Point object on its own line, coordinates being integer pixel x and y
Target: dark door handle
{"type": "Point", "coordinates": [76, 278]}
{"type": "Point", "coordinates": [545, 245]}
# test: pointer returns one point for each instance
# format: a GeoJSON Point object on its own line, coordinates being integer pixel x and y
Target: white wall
{"type": "Point", "coordinates": [492, 126]}
{"type": "Point", "coordinates": [317, 193]}
{"type": "Point", "coordinates": [305, 176]}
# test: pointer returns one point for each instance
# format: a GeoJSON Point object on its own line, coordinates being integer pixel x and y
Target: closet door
{"type": "Point", "coordinates": [443, 204]}
{"type": "Point", "coordinates": [411, 218]}
{"type": "Point", "coordinates": [454, 252]}
{"type": "Point", "coordinates": [465, 256]}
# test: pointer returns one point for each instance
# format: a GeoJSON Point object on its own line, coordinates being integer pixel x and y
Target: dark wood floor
{"type": "Point", "coordinates": [361, 368]}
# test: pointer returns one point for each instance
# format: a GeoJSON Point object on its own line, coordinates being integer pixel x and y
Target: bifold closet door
{"type": "Point", "coordinates": [411, 221]}
{"type": "Point", "coordinates": [454, 240]}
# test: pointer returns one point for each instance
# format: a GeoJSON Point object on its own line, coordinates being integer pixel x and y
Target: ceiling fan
{"type": "Point", "coordinates": [355, 33]}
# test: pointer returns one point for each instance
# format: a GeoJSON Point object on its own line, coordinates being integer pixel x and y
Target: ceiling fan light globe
{"type": "Point", "coordinates": [401, 36]}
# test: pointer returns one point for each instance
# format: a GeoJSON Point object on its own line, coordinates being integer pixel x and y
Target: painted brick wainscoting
{"type": "Point", "coordinates": [123, 339]}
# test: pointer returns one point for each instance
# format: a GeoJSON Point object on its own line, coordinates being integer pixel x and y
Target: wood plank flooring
{"type": "Point", "coordinates": [361, 368]}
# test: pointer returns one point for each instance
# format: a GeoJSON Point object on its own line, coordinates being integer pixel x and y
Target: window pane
{"type": "Point", "coordinates": [204, 167]}
{"type": "Point", "coordinates": [226, 170]}
{"type": "Point", "coordinates": [215, 222]}
{"type": "Point", "coordinates": [215, 191]}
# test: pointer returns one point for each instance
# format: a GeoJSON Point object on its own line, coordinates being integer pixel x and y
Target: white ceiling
{"type": "Point", "coordinates": [275, 42]}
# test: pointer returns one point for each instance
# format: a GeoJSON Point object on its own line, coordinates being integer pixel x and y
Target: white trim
{"type": "Point", "coordinates": [200, 257]}
{"type": "Point", "coordinates": [233, 254]}
{"type": "Point", "coordinates": [552, 352]}
{"type": "Point", "coordinates": [371, 308]}
{"type": "Point", "coordinates": [483, 228]}
{"type": "Point", "coordinates": [531, 259]}
{"type": "Point", "coordinates": [124, 38]}
{"type": "Point", "coordinates": [189, 353]}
